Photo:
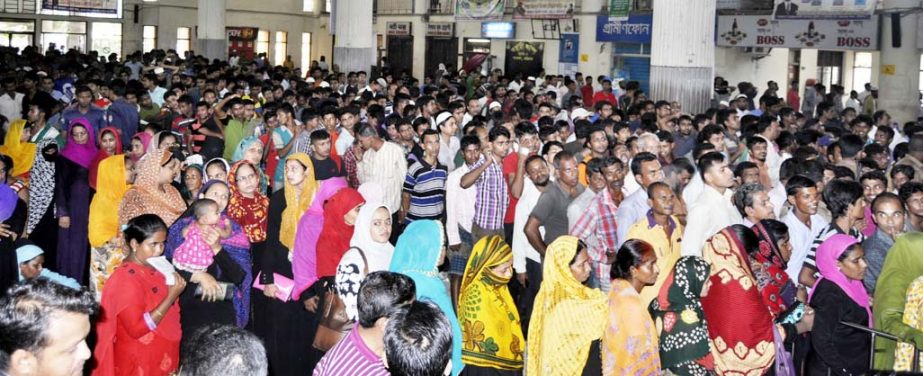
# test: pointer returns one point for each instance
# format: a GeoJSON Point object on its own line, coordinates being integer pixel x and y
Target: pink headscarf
{"type": "Point", "coordinates": [81, 154]}
{"type": "Point", "coordinates": [304, 259]}
{"type": "Point", "coordinates": [145, 139]}
{"type": "Point", "coordinates": [827, 254]}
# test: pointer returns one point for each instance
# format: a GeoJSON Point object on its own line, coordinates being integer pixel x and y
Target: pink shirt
{"type": "Point", "coordinates": [351, 357]}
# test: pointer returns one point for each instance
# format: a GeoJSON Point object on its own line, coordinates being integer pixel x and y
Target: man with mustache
{"type": "Point", "coordinates": [662, 230]}
{"type": "Point", "coordinates": [596, 223]}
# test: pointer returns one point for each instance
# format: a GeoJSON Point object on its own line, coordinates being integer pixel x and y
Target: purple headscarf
{"type": "Point", "coordinates": [827, 254]}
{"type": "Point", "coordinates": [304, 258]}
{"type": "Point", "coordinates": [8, 202]}
{"type": "Point", "coordinates": [82, 155]}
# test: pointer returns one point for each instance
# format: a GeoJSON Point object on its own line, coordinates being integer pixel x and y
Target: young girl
{"type": "Point", "coordinates": [195, 255]}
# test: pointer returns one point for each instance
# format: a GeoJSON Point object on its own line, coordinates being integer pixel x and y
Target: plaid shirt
{"type": "Point", "coordinates": [492, 197]}
{"type": "Point", "coordinates": [598, 228]}
{"type": "Point", "coordinates": [351, 165]}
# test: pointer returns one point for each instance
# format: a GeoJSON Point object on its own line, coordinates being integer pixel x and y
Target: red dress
{"type": "Point", "coordinates": [126, 345]}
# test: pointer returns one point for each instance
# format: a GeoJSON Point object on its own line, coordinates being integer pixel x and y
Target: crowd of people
{"type": "Point", "coordinates": [202, 216]}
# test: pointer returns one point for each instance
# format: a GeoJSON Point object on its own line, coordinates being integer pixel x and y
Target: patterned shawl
{"type": "Point", "coordinates": [678, 314]}
{"type": "Point", "coordinates": [768, 267]}
{"type": "Point", "coordinates": [740, 325]}
{"type": "Point", "coordinates": [491, 331]}
{"type": "Point", "coordinates": [630, 343]}
{"type": "Point", "coordinates": [304, 256]}
{"type": "Point", "coordinates": [22, 152]}
{"type": "Point", "coordinates": [296, 204]}
{"type": "Point", "coordinates": [250, 212]}
{"type": "Point", "coordinates": [556, 345]}
{"type": "Point", "coordinates": [149, 197]}
{"type": "Point", "coordinates": [41, 182]}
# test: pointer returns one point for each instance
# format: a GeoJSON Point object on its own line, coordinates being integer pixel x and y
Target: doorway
{"type": "Point", "coordinates": [441, 50]}
{"type": "Point", "coordinates": [400, 54]}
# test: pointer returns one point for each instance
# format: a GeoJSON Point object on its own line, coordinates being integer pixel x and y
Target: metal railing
{"type": "Point", "coordinates": [915, 363]}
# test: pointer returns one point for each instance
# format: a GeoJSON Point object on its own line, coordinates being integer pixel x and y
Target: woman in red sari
{"type": "Point", "coordinates": [139, 330]}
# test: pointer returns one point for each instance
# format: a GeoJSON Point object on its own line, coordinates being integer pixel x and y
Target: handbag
{"type": "Point", "coordinates": [226, 291]}
{"type": "Point", "coordinates": [284, 286]}
{"type": "Point", "coordinates": [334, 322]}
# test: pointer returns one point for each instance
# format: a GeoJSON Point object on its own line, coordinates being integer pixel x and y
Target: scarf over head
{"type": "Point", "coordinates": [491, 331]}
{"type": "Point", "coordinates": [148, 196]}
{"type": "Point", "coordinates": [556, 345]}
{"type": "Point", "coordinates": [252, 213]}
{"type": "Point", "coordinates": [304, 257]}
{"type": "Point", "coordinates": [678, 313]}
{"type": "Point", "coordinates": [111, 188]}
{"type": "Point", "coordinates": [902, 266]}
{"type": "Point", "coordinates": [224, 163]}
{"type": "Point", "coordinates": [827, 254]}
{"type": "Point", "coordinates": [296, 204]}
{"type": "Point", "coordinates": [103, 154]}
{"type": "Point", "coordinates": [416, 255]}
{"type": "Point", "coordinates": [245, 144]}
{"type": "Point", "coordinates": [334, 238]}
{"type": "Point", "coordinates": [378, 254]}
{"type": "Point", "coordinates": [41, 182]}
{"type": "Point", "coordinates": [740, 325]}
{"type": "Point", "coordinates": [145, 139]}
{"type": "Point", "coordinates": [22, 152]}
{"type": "Point", "coordinates": [768, 267]}
{"type": "Point", "coordinates": [8, 202]}
{"type": "Point", "coordinates": [80, 154]}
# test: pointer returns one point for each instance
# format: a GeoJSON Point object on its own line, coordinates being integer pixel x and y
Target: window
{"type": "Point", "coordinates": [183, 40]}
{"type": "Point", "coordinates": [829, 67]}
{"type": "Point", "coordinates": [328, 7]}
{"type": "Point", "coordinates": [262, 42]}
{"type": "Point", "coordinates": [63, 35]}
{"type": "Point", "coordinates": [861, 71]}
{"type": "Point", "coordinates": [305, 51]}
{"type": "Point", "coordinates": [308, 6]}
{"type": "Point", "coordinates": [149, 38]}
{"type": "Point", "coordinates": [281, 47]}
{"type": "Point", "coordinates": [107, 38]}
{"type": "Point", "coordinates": [17, 34]}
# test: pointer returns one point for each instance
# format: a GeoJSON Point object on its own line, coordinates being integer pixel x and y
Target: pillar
{"type": "Point", "coordinates": [599, 55]}
{"type": "Point", "coordinates": [354, 47]}
{"type": "Point", "coordinates": [683, 52]}
{"type": "Point", "coordinates": [899, 75]}
{"type": "Point", "coordinates": [211, 34]}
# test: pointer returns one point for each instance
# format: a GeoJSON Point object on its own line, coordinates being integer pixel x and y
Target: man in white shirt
{"type": "Point", "coordinates": [150, 84]}
{"type": "Point", "coordinates": [646, 169]}
{"type": "Point", "coordinates": [804, 224]}
{"type": "Point", "coordinates": [713, 209]}
{"type": "Point", "coordinates": [383, 163]}
{"type": "Point", "coordinates": [348, 116]}
{"type": "Point", "coordinates": [769, 129]}
{"type": "Point", "coordinates": [526, 259]}
{"type": "Point", "coordinates": [459, 210]}
{"type": "Point", "coordinates": [10, 102]}
{"type": "Point", "coordinates": [647, 143]}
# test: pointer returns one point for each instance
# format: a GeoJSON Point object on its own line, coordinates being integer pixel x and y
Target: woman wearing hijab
{"type": "Point", "coordinates": [72, 199]}
{"type": "Point", "coordinates": [31, 265]}
{"type": "Point", "coordinates": [419, 252]}
{"type": "Point", "coordinates": [153, 192]}
{"type": "Point", "coordinates": [217, 169]}
{"type": "Point", "coordinates": [630, 342]}
{"type": "Point", "coordinates": [678, 312]}
{"type": "Point", "coordinates": [902, 266]}
{"type": "Point", "coordinates": [110, 143]}
{"type": "Point", "coordinates": [41, 226]}
{"type": "Point", "coordinates": [370, 236]}
{"type": "Point", "coordinates": [304, 261]}
{"type": "Point", "coordinates": [251, 149]}
{"type": "Point", "coordinates": [839, 296]}
{"type": "Point", "coordinates": [16, 145]}
{"type": "Point", "coordinates": [140, 143]}
{"type": "Point", "coordinates": [106, 244]}
{"type": "Point", "coordinates": [556, 345]}
{"type": "Point", "coordinates": [491, 328]}
{"type": "Point", "coordinates": [247, 205]}
{"type": "Point", "coordinates": [13, 214]}
{"type": "Point", "coordinates": [340, 213]}
{"type": "Point", "coordinates": [231, 267]}
{"type": "Point", "coordinates": [284, 325]}
{"type": "Point", "coordinates": [768, 262]}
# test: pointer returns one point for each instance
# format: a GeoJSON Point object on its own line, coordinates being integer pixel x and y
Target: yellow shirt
{"type": "Point", "coordinates": [666, 245]}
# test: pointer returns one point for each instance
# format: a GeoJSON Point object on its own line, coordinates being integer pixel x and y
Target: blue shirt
{"type": "Point", "coordinates": [96, 117]}
{"type": "Point", "coordinates": [124, 116]}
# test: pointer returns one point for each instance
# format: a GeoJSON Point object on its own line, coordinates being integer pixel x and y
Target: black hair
{"type": "Point", "coordinates": [708, 160]}
{"type": "Point", "coordinates": [843, 172]}
{"type": "Point", "coordinates": [629, 255]}
{"type": "Point", "coordinates": [743, 197]}
{"type": "Point", "coordinates": [909, 189]}
{"type": "Point", "coordinates": [143, 227]}
{"type": "Point", "coordinates": [907, 170]}
{"type": "Point", "coordinates": [560, 157]}
{"type": "Point", "coordinates": [778, 230]}
{"type": "Point", "coordinates": [418, 340]}
{"type": "Point", "coordinates": [382, 294]}
{"type": "Point", "coordinates": [319, 135]}
{"type": "Point", "coordinates": [26, 311]}
{"type": "Point", "coordinates": [657, 184]}
{"type": "Point", "coordinates": [365, 130]}
{"type": "Point", "coordinates": [639, 159]}
{"type": "Point", "coordinates": [742, 167]}
{"type": "Point", "coordinates": [885, 196]}
{"type": "Point", "coordinates": [199, 207]}
{"type": "Point", "coordinates": [701, 148]}
{"type": "Point", "coordinates": [849, 250]}
{"type": "Point", "coordinates": [875, 175]}
{"type": "Point", "coordinates": [850, 145]}
{"type": "Point", "coordinates": [223, 350]}
{"type": "Point", "coordinates": [469, 140]}
{"type": "Point", "coordinates": [839, 194]}
{"type": "Point", "coordinates": [746, 236]}
{"type": "Point", "coordinates": [429, 132]}
{"type": "Point", "coordinates": [7, 165]}
{"type": "Point", "coordinates": [796, 183]}
{"type": "Point", "coordinates": [525, 128]}
{"type": "Point", "coordinates": [547, 147]}
{"type": "Point", "coordinates": [496, 132]}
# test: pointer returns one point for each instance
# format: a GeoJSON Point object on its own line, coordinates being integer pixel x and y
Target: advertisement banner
{"type": "Point", "coordinates": [618, 9]}
{"type": "Point", "coordinates": [90, 8]}
{"type": "Point", "coordinates": [763, 31]}
{"type": "Point", "coordinates": [544, 9]}
{"type": "Point", "coordinates": [478, 10]}
{"type": "Point", "coordinates": [525, 58]}
{"type": "Point", "coordinates": [242, 41]}
{"type": "Point", "coordinates": [823, 9]}
{"type": "Point", "coordinates": [569, 47]}
{"type": "Point", "coordinates": [636, 29]}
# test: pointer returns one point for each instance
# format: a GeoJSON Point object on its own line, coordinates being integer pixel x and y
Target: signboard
{"type": "Point", "coordinates": [823, 9]}
{"type": "Point", "coordinates": [637, 29]}
{"type": "Point", "coordinates": [525, 58]}
{"type": "Point", "coordinates": [498, 30]}
{"type": "Point", "coordinates": [618, 9]}
{"type": "Point", "coordinates": [440, 29]}
{"type": "Point", "coordinates": [242, 41]}
{"type": "Point", "coordinates": [763, 31]}
{"type": "Point", "coordinates": [88, 8]}
{"type": "Point", "coordinates": [399, 28]}
{"type": "Point", "coordinates": [477, 10]}
{"type": "Point", "coordinates": [544, 9]}
{"type": "Point", "coordinates": [568, 54]}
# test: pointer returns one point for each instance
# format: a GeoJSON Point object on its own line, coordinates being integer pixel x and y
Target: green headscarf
{"type": "Point", "coordinates": [903, 264]}
{"type": "Point", "coordinates": [678, 312]}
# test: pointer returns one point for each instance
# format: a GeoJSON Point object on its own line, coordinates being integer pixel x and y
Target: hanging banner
{"type": "Point", "coordinates": [619, 9]}
{"type": "Point", "coordinates": [242, 41]}
{"type": "Point", "coordinates": [440, 29]}
{"type": "Point", "coordinates": [89, 8]}
{"type": "Point", "coordinates": [763, 31]}
{"type": "Point", "coordinates": [525, 58]}
{"type": "Point", "coordinates": [826, 9]}
{"type": "Point", "coordinates": [477, 10]}
{"type": "Point", "coordinates": [636, 29]}
{"type": "Point", "coordinates": [568, 54]}
{"type": "Point", "coordinates": [544, 9]}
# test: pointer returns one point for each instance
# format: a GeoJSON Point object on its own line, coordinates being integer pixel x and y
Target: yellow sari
{"type": "Point", "coordinates": [567, 316]}
{"type": "Point", "coordinates": [491, 330]}
{"type": "Point", "coordinates": [22, 152]}
{"type": "Point", "coordinates": [106, 243]}
{"type": "Point", "coordinates": [913, 317]}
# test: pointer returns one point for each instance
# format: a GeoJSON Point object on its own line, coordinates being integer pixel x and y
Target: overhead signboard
{"type": "Point", "coordinates": [763, 31]}
{"type": "Point", "coordinates": [399, 28]}
{"type": "Point", "coordinates": [823, 9]}
{"type": "Point", "coordinates": [544, 9]}
{"type": "Point", "coordinates": [637, 29]}
{"type": "Point", "coordinates": [88, 8]}
{"type": "Point", "coordinates": [498, 30]}
{"type": "Point", "coordinates": [440, 29]}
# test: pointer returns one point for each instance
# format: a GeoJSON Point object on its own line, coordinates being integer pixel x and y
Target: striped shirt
{"type": "Point", "coordinates": [350, 357]}
{"type": "Point", "coordinates": [492, 197]}
{"type": "Point", "coordinates": [425, 184]}
{"type": "Point", "coordinates": [386, 166]}
{"type": "Point", "coordinates": [811, 260]}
